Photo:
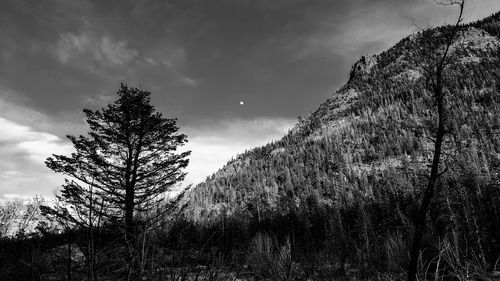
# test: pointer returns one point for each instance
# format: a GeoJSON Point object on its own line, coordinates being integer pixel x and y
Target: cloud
{"type": "Point", "coordinates": [24, 141]}
{"type": "Point", "coordinates": [213, 144]}
{"type": "Point", "coordinates": [24, 148]}
{"type": "Point", "coordinates": [16, 196]}
{"type": "Point", "coordinates": [19, 109]}
{"type": "Point", "coordinates": [99, 100]}
{"type": "Point", "coordinates": [100, 49]}
{"type": "Point", "coordinates": [366, 28]}
{"type": "Point", "coordinates": [189, 81]}
{"type": "Point", "coordinates": [373, 26]}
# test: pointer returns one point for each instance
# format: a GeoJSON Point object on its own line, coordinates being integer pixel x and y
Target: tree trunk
{"type": "Point", "coordinates": [435, 75]}
{"type": "Point", "coordinates": [129, 195]}
{"type": "Point", "coordinates": [129, 211]}
{"type": "Point", "coordinates": [131, 178]}
{"type": "Point", "coordinates": [429, 191]}
{"type": "Point", "coordinates": [69, 277]}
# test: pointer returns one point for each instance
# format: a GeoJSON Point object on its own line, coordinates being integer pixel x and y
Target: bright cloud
{"type": "Point", "coordinates": [213, 145]}
{"type": "Point", "coordinates": [23, 151]}
{"type": "Point", "coordinates": [24, 140]}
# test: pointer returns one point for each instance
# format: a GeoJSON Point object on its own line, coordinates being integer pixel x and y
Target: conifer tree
{"type": "Point", "coordinates": [124, 165]}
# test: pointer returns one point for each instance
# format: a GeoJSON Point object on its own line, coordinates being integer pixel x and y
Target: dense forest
{"type": "Point", "coordinates": [334, 199]}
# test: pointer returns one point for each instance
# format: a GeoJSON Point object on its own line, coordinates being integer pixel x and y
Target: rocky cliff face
{"type": "Point", "coordinates": [373, 136]}
{"type": "Point", "coordinates": [363, 66]}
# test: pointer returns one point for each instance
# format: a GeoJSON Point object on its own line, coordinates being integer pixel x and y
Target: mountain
{"type": "Point", "coordinates": [363, 154]}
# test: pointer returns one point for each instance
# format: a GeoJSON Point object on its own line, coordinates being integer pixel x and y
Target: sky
{"type": "Point", "coordinates": [236, 73]}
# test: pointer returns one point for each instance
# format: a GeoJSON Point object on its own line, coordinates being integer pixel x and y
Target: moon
{"type": "Point", "coordinates": [242, 103]}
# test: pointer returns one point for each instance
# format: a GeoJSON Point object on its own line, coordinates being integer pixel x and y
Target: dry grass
{"type": "Point", "coordinates": [269, 260]}
{"type": "Point", "coordinates": [397, 252]}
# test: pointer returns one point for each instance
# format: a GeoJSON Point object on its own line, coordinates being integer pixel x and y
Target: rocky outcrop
{"type": "Point", "coordinates": [363, 66]}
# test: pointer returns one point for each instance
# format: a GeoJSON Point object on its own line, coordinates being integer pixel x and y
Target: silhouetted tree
{"type": "Point", "coordinates": [124, 165]}
{"type": "Point", "coordinates": [434, 67]}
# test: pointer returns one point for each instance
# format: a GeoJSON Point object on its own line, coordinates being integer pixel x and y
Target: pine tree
{"type": "Point", "coordinates": [124, 165]}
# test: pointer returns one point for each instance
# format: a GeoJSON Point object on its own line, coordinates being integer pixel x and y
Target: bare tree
{"type": "Point", "coordinates": [434, 68]}
{"type": "Point", "coordinates": [9, 212]}
{"type": "Point", "coordinates": [18, 218]}
{"type": "Point", "coordinates": [30, 217]}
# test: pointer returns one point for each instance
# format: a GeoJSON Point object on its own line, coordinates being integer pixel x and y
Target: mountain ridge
{"type": "Point", "coordinates": [374, 127]}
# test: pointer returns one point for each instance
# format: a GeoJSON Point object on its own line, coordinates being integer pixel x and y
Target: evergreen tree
{"type": "Point", "coordinates": [124, 165]}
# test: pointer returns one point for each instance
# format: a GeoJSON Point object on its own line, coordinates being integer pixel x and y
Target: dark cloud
{"type": "Point", "coordinates": [199, 58]}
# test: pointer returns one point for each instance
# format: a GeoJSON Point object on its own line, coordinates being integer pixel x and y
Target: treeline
{"type": "Point", "coordinates": [371, 234]}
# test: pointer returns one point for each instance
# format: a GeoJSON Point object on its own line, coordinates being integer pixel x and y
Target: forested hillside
{"type": "Point", "coordinates": [352, 172]}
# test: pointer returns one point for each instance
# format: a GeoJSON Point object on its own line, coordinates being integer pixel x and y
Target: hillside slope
{"type": "Point", "coordinates": [372, 139]}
